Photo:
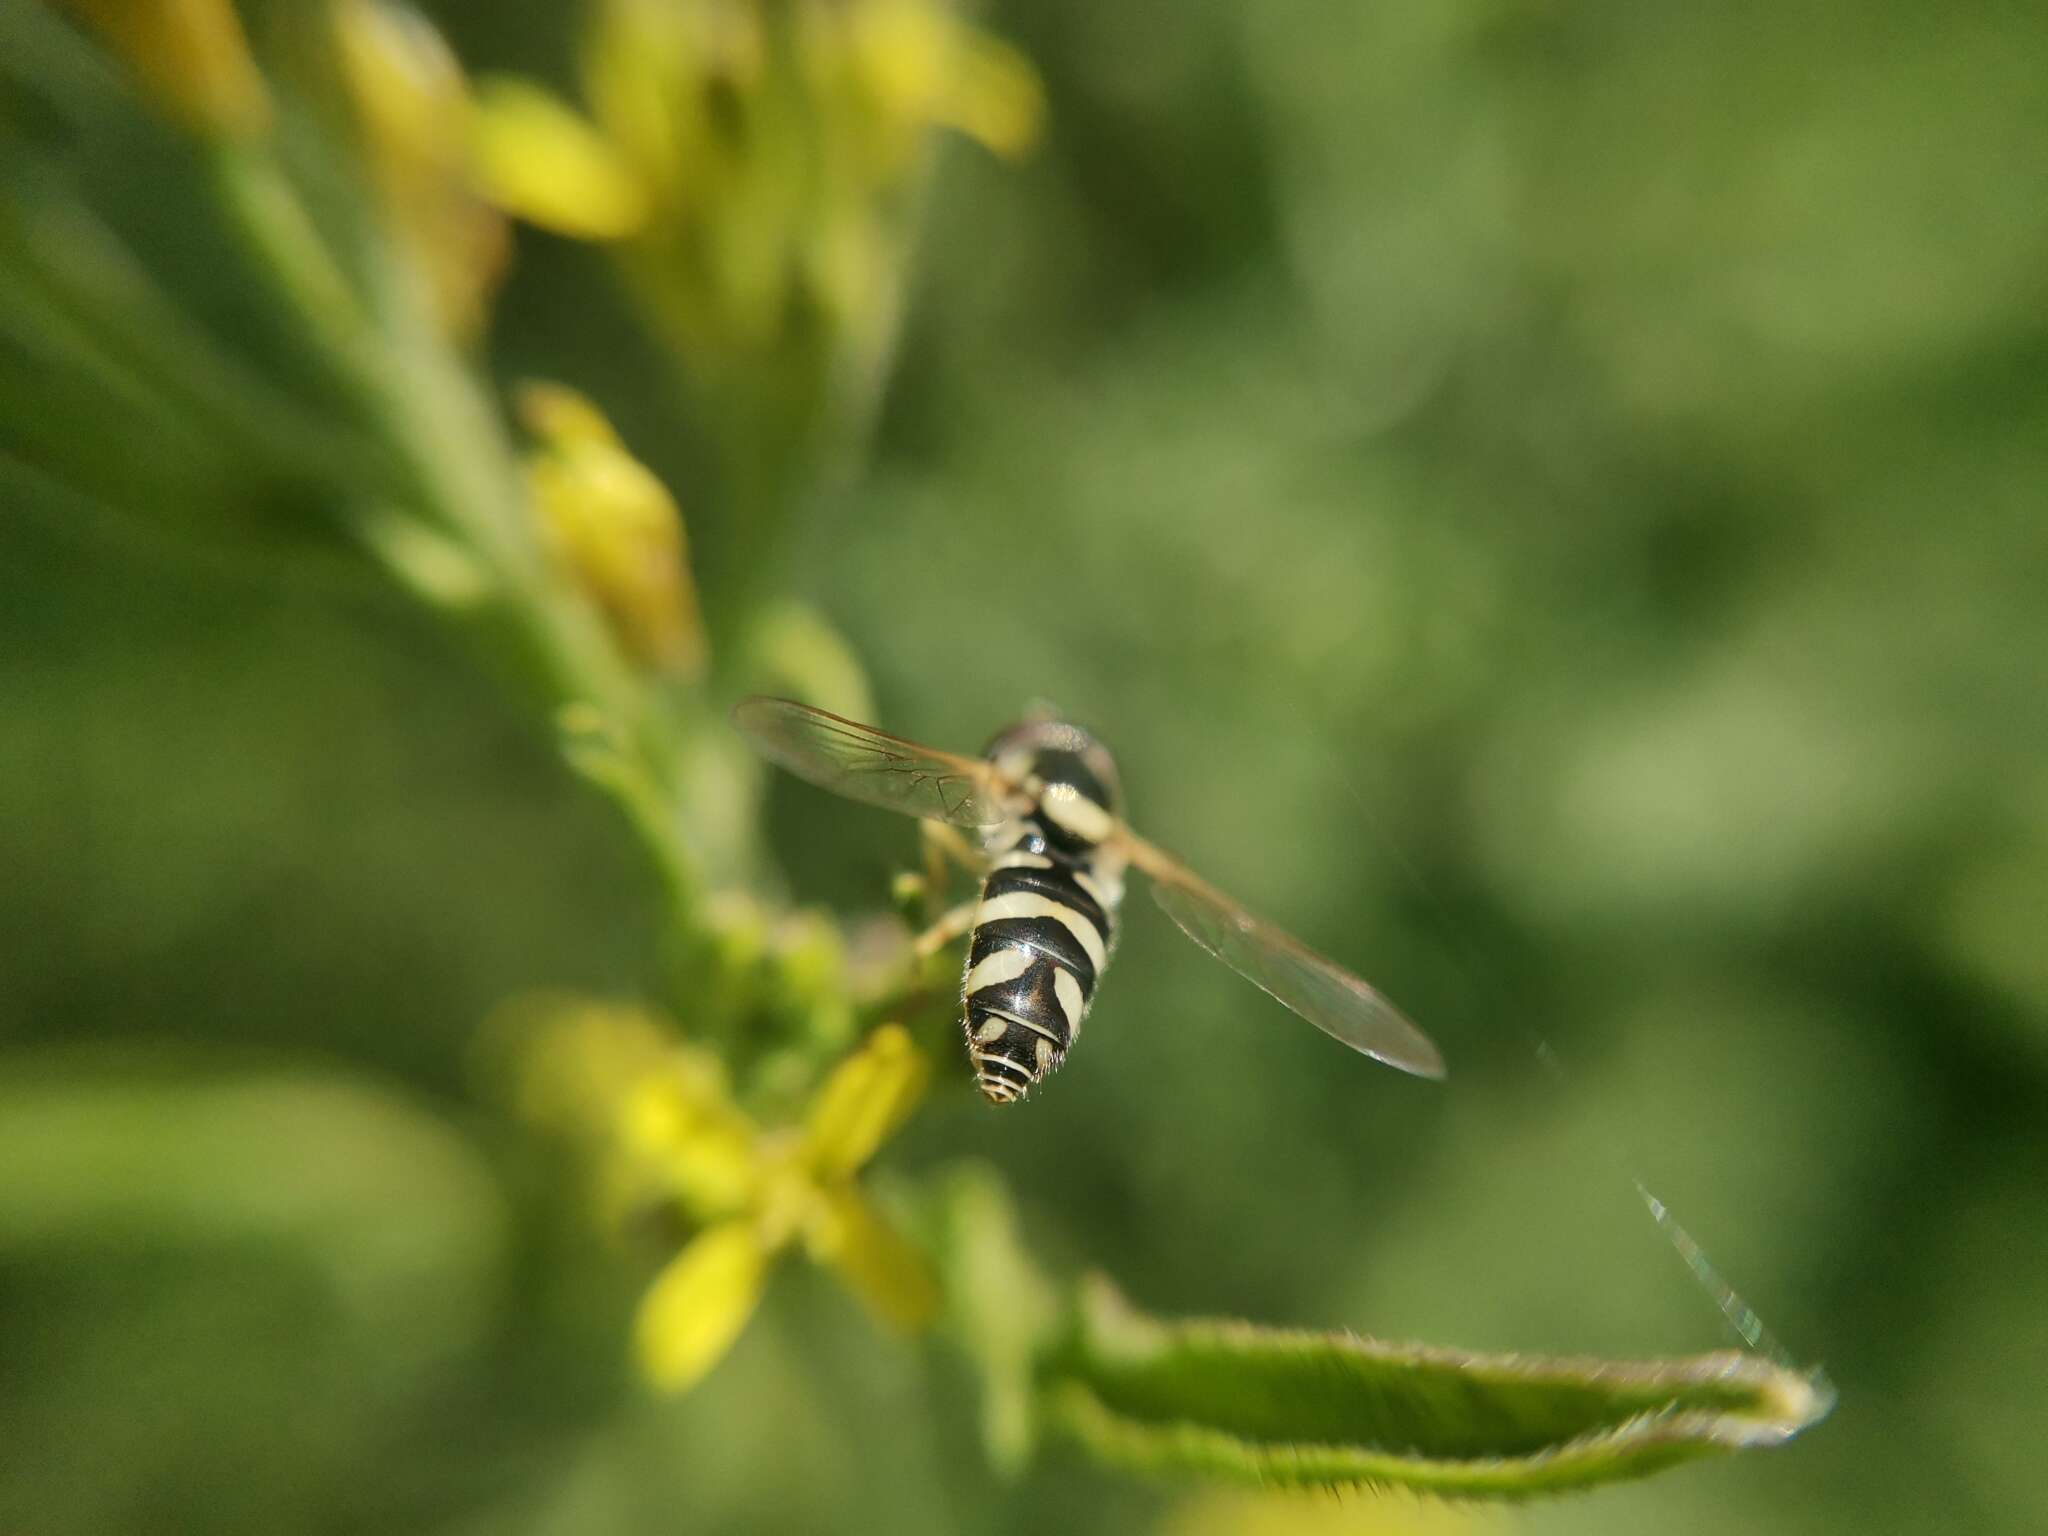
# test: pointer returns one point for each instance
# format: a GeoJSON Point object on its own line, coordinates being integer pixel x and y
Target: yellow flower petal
{"type": "Point", "coordinates": [925, 67]}
{"type": "Point", "coordinates": [878, 1264]}
{"type": "Point", "coordinates": [993, 96]}
{"type": "Point", "coordinates": [192, 58]}
{"type": "Point", "coordinates": [697, 1306]}
{"type": "Point", "coordinates": [862, 1103]}
{"type": "Point", "coordinates": [648, 72]}
{"type": "Point", "coordinates": [538, 159]}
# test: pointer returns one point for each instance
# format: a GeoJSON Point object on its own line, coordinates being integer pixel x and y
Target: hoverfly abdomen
{"type": "Point", "coordinates": [1047, 911]}
{"type": "Point", "coordinates": [1040, 943]}
{"type": "Point", "coordinates": [1045, 924]}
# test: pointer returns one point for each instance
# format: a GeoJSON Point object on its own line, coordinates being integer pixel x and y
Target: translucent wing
{"type": "Point", "coordinates": [872, 766]}
{"type": "Point", "coordinates": [1321, 991]}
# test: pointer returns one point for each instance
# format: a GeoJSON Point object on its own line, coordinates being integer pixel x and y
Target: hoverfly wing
{"type": "Point", "coordinates": [1320, 990]}
{"type": "Point", "coordinates": [872, 766]}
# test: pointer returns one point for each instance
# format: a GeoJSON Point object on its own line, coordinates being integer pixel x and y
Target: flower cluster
{"type": "Point", "coordinates": [753, 166]}
{"type": "Point", "coordinates": [663, 1132]}
{"type": "Point", "coordinates": [752, 160]}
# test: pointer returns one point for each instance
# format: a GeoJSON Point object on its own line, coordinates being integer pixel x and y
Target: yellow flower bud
{"type": "Point", "coordinates": [413, 104]}
{"type": "Point", "coordinates": [615, 527]}
{"type": "Point", "coordinates": [192, 59]}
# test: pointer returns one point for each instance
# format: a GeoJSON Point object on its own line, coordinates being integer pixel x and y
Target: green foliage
{"type": "Point", "coordinates": [341, 1246]}
{"type": "Point", "coordinates": [1541, 500]}
{"type": "Point", "coordinates": [1282, 1408]}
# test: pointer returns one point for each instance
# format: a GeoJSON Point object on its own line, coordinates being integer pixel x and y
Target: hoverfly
{"type": "Point", "coordinates": [1045, 802]}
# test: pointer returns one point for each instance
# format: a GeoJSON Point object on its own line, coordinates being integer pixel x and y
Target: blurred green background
{"type": "Point", "coordinates": [1545, 500]}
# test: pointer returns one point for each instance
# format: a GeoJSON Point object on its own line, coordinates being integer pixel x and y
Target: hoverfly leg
{"type": "Point", "coordinates": [916, 894]}
{"type": "Point", "coordinates": [949, 927]}
{"type": "Point", "coordinates": [943, 844]}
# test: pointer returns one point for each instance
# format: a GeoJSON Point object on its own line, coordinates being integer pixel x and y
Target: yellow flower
{"type": "Point", "coordinates": [665, 1131]}
{"type": "Point", "coordinates": [412, 105]}
{"type": "Point", "coordinates": [615, 527]}
{"type": "Point", "coordinates": [191, 57]}
{"type": "Point", "coordinates": [786, 1189]}
{"type": "Point", "coordinates": [752, 160]}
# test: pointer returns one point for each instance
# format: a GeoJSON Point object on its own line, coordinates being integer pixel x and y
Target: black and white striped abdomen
{"type": "Point", "coordinates": [1041, 939]}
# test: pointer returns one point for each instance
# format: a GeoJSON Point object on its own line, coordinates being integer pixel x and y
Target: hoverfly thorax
{"type": "Point", "coordinates": [1067, 783]}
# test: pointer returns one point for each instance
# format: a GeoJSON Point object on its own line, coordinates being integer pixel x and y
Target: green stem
{"type": "Point", "coordinates": [276, 229]}
{"type": "Point", "coordinates": [68, 272]}
{"type": "Point", "coordinates": [456, 497]}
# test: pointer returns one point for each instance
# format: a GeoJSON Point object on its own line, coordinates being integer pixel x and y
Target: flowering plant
{"type": "Point", "coordinates": [753, 168]}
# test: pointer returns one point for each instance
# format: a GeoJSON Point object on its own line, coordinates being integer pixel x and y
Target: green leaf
{"type": "Point", "coordinates": [243, 1282]}
{"type": "Point", "coordinates": [1264, 1405]}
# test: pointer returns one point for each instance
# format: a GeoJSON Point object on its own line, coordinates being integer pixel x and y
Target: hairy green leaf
{"type": "Point", "coordinates": [1236, 1400]}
